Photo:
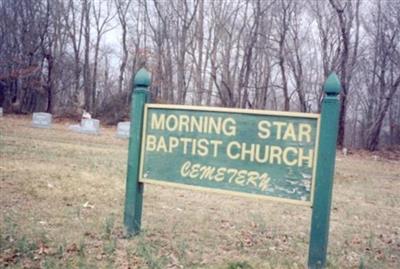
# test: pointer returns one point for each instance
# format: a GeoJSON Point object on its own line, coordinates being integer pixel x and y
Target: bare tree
{"type": "Point", "coordinates": [385, 69]}
{"type": "Point", "coordinates": [102, 26]}
{"type": "Point", "coordinates": [86, 6]}
{"type": "Point", "coordinates": [349, 49]}
{"type": "Point", "coordinates": [283, 19]}
{"type": "Point", "coordinates": [74, 26]}
{"type": "Point", "coordinates": [295, 59]}
{"type": "Point", "coordinates": [249, 54]}
{"type": "Point", "coordinates": [185, 16]}
{"type": "Point", "coordinates": [122, 11]}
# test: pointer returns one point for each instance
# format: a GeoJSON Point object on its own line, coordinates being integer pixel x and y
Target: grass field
{"type": "Point", "coordinates": [62, 196]}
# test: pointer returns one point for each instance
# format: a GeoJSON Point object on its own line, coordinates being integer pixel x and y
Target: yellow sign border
{"type": "Point", "coordinates": [237, 111]}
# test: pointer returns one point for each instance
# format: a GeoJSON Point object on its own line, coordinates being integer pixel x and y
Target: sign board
{"type": "Point", "coordinates": [264, 154]}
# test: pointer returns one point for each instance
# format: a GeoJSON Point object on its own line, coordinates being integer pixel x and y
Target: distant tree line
{"type": "Point", "coordinates": [58, 56]}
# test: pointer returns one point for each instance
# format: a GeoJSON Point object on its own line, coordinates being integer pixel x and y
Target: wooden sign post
{"type": "Point", "coordinates": [283, 156]}
{"type": "Point", "coordinates": [134, 188]}
{"type": "Point", "coordinates": [324, 175]}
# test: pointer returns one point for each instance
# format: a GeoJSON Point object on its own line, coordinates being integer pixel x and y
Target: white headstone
{"type": "Point", "coordinates": [1, 112]}
{"type": "Point", "coordinates": [90, 126]}
{"type": "Point", "coordinates": [41, 120]}
{"type": "Point", "coordinates": [123, 129]}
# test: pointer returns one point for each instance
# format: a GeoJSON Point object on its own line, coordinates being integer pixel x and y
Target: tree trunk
{"type": "Point", "coordinates": [86, 67]}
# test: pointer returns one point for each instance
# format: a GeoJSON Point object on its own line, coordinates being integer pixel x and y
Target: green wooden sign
{"type": "Point", "coordinates": [274, 155]}
{"type": "Point", "coordinates": [253, 153]}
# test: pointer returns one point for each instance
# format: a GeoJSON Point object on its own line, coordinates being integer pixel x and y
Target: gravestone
{"type": "Point", "coordinates": [87, 126]}
{"type": "Point", "coordinates": [90, 126]}
{"type": "Point", "coordinates": [1, 112]}
{"type": "Point", "coordinates": [123, 129]}
{"type": "Point", "coordinates": [41, 120]}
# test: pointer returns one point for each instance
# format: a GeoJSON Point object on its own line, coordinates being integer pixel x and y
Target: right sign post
{"type": "Point", "coordinates": [325, 169]}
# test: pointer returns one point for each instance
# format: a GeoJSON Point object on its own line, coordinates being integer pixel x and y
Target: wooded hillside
{"type": "Point", "coordinates": [60, 56]}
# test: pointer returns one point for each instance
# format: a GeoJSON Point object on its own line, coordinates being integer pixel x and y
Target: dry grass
{"type": "Point", "coordinates": [47, 176]}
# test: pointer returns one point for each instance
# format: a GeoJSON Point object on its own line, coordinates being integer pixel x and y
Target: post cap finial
{"type": "Point", "coordinates": [332, 84]}
{"type": "Point", "coordinates": [142, 78]}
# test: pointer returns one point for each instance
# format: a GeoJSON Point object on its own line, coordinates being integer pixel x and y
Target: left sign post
{"type": "Point", "coordinates": [134, 188]}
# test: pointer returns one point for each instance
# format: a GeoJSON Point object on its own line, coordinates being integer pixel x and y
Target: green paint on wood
{"type": "Point", "coordinates": [257, 154]}
{"type": "Point", "coordinates": [134, 189]}
{"type": "Point", "coordinates": [324, 174]}
{"type": "Point", "coordinates": [142, 78]}
{"type": "Point", "coordinates": [332, 85]}
{"type": "Point", "coordinates": [260, 154]}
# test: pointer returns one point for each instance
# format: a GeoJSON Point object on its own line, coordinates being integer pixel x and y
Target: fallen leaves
{"type": "Point", "coordinates": [88, 205]}
{"type": "Point", "coordinates": [43, 249]}
{"type": "Point", "coordinates": [9, 256]}
{"type": "Point", "coordinates": [72, 248]}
